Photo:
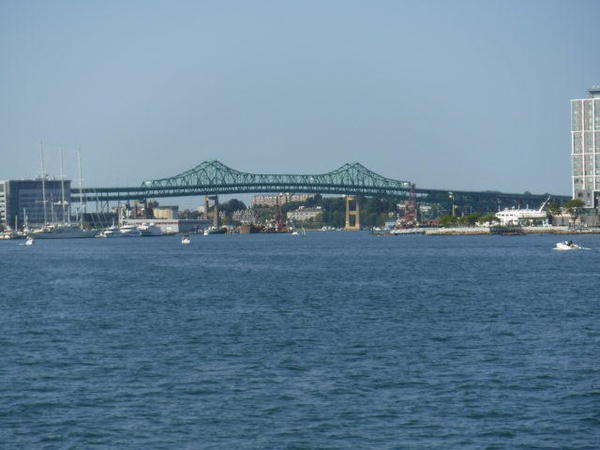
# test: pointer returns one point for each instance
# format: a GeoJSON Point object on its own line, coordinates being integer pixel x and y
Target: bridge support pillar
{"type": "Point", "coordinates": [352, 213]}
{"type": "Point", "coordinates": [212, 212]}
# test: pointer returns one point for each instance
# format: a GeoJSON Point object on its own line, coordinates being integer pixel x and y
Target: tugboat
{"type": "Point", "coordinates": [249, 228]}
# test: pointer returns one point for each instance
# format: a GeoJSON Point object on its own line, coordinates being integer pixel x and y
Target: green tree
{"type": "Point", "coordinates": [232, 205]}
{"type": "Point", "coordinates": [488, 218]}
{"type": "Point", "coordinates": [553, 208]}
{"type": "Point", "coordinates": [448, 221]}
{"type": "Point", "coordinates": [575, 208]}
{"type": "Point", "coordinates": [469, 219]}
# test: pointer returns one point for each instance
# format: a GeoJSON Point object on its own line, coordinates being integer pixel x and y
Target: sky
{"type": "Point", "coordinates": [460, 95]}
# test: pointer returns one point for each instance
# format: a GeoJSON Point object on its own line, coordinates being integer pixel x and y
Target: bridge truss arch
{"type": "Point", "coordinates": [215, 178]}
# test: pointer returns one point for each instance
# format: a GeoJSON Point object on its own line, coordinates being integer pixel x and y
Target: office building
{"type": "Point", "coordinates": [23, 198]}
{"type": "Point", "coordinates": [585, 148]}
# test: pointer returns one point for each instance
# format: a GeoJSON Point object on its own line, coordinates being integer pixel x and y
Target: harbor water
{"type": "Point", "coordinates": [332, 340]}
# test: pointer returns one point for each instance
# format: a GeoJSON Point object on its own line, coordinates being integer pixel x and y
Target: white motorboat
{"type": "Point", "coordinates": [29, 241]}
{"type": "Point", "coordinates": [185, 240]}
{"type": "Point", "coordinates": [568, 245]}
{"type": "Point", "coordinates": [120, 232]}
{"type": "Point", "coordinates": [150, 229]}
{"type": "Point", "coordinates": [215, 230]}
{"type": "Point", "coordinates": [9, 235]}
{"type": "Point", "coordinates": [111, 232]}
{"type": "Point", "coordinates": [130, 231]}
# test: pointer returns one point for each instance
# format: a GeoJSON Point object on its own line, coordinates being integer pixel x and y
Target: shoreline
{"type": "Point", "coordinates": [474, 231]}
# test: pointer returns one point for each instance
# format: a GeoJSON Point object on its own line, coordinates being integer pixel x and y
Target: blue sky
{"type": "Point", "coordinates": [459, 95]}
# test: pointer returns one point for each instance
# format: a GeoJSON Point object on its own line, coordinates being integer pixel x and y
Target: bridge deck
{"type": "Point", "coordinates": [215, 178]}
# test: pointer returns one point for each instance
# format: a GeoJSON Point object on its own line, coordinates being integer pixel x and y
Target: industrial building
{"type": "Point", "coordinates": [165, 212]}
{"type": "Point", "coordinates": [279, 199]}
{"type": "Point", "coordinates": [585, 148]}
{"type": "Point", "coordinates": [21, 199]}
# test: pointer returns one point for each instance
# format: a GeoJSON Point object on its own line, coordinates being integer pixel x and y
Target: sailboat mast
{"type": "Point", "coordinates": [62, 187]}
{"type": "Point", "coordinates": [81, 182]}
{"type": "Point", "coordinates": [43, 183]}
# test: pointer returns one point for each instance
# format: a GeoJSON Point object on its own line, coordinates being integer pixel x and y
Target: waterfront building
{"type": "Point", "coordinates": [279, 199]}
{"type": "Point", "coordinates": [245, 216]}
{"type": "Point", "coordinates": [585, 148]}
{"type": "Point", "coordinates": [303, 214]}
{"type": "Point", "coordinates": [165, 212]}
{"type": "Point", "coordinates": [24, 197]}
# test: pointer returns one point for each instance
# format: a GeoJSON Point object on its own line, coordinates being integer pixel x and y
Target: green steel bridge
{"type": "Point", "coordinates": [215, 178]}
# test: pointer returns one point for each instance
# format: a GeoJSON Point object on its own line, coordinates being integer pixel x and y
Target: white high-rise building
{"type": "Point", "coordinates": [585, 148]}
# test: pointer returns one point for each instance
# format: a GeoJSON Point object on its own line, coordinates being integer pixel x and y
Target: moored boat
{"type": "Point", "coordinates": [150, 229]}
{"type": "Point", "coordinates": [62, 231]}
{"type": "Point", "coordinates": [249, 228]}
{"type": "Point", "coordinates": [215, 230]}
{"type": "Point", "coordinates": [130, 231]}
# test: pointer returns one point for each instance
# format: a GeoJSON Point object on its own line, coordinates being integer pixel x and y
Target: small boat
{"type": "Point", "coordinates": [568, 245]}
{"type": "Point", "coordinates": [111, 232]}
{"type": "Point", "coordinates": [150, 229]}
{"type": "Point", "coordinates": [215, 230]}
{"type": "Point", "coordinates": [185, 240]}
{"type": "Point", "coordinates": [295, 233]}
{"type": "Point", "coordinates": [130, 231]}
{"type": "Point", "coordinates": [9, 235]}
{"type": "Point", "coordinates": [29, 241]}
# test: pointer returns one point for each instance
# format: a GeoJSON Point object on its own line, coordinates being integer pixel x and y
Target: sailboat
{"type": "Point", "coordinates": [64, 229]}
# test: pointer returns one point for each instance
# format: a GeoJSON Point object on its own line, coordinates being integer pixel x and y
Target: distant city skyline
{"type": "Point", "coordinates": [454, 95]}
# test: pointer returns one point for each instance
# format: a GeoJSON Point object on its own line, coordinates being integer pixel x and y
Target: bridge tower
{"type": "Point", "coordinates": [212, 211]}
{"type": "Point", "coordinates": [352, 213]}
